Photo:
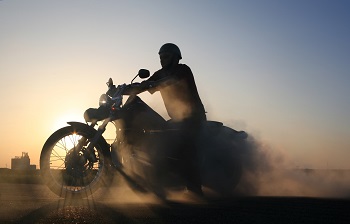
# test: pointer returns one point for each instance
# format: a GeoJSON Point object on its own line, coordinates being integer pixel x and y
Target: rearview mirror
{"type": "Point", "coordinates": [110, 82]}
{"type": "Point", "coordinates": [143, 73]}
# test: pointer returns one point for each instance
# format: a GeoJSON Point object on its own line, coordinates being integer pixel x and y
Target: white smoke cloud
{"type": "Point", "coordinates": [265, 173]}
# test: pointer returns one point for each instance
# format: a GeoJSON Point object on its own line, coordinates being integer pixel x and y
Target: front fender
{"type": "Point", "coordinates": [91, 131]}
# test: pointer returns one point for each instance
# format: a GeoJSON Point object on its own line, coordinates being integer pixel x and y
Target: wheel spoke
{"type": "Point", "coordinates": [62, 144]}
{"type": "Point", "coordinates": [55, 154]}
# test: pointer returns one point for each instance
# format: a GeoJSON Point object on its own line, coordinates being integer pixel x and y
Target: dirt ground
{"type": "Point", "coordinates": [35, 203]}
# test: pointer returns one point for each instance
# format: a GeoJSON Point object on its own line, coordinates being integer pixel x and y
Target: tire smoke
{"type": "Point", "coordinates": [265, 174]}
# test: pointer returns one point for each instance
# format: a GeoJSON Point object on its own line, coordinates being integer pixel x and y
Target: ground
{"type": "Point", "coordinates": [35, 203]}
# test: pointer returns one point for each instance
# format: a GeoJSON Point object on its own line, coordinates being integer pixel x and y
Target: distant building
{"type": "Point", "coordinates": [22, 163]}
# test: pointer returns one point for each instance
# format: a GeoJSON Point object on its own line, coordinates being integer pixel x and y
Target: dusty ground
{"type": "Point", "coordinates": [34, 203]}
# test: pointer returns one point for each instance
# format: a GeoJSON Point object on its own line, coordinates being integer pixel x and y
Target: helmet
{"type": "Point", "coordinates": [172, 48]}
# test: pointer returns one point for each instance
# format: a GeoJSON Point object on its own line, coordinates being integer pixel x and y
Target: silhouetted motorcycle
{"type": "Point", "coordinates": [76, 160]}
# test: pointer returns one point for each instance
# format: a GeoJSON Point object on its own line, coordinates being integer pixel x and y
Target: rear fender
{"type": "Point", "coordinates": [214, 128]}
{"type": "Point", "coordinates": [234, 134]}
{"type": "Point", "coordinates": [91, 131]}
{"type": "Point", "coordinates": [215, 135]}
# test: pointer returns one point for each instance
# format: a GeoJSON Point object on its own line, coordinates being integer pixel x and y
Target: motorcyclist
{"type": "Point", "coordinates": [176, 84]}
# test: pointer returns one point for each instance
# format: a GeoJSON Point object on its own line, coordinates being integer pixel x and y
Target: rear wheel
{"type": "Point", "coordinates": [221, 174]}
{"type": "Point", "coordinates": [68, 168]}
{"type": "Point", "coordinates": [221, 165]}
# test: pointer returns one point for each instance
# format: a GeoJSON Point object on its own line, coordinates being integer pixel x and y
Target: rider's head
{"type": "Point", "coordinates": [170, 55]}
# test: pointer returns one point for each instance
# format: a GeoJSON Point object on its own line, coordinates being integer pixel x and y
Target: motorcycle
{"type": "Point", "coordinates": [76, 160]}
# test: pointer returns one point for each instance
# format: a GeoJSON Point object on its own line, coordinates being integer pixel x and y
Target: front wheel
{"type": "Point", "coordinates": [68, 168]}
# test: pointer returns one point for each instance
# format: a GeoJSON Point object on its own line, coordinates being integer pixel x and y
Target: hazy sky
{"type": "Point", "coordinates": [276, 69]}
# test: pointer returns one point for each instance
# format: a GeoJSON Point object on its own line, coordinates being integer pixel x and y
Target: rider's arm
{"type": "Point", "coordinates": [156, 81]}
{"type": "Point", "coordinates": [148, 85]}
{"type": "Point", "coordinates": [154, 86]}
{"type": "Point", "coordinates": [136, 88]}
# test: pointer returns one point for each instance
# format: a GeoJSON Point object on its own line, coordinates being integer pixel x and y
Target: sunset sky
{"type": "Point", "coordinates": [278, 69]}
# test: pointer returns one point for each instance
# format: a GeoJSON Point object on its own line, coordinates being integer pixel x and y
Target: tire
{"type": "Point", "coordinates": [221, 165]}
{"type": "Point", "coordinates": [221, 174]}
{"type": "Point", "coordinates": [78, 177]}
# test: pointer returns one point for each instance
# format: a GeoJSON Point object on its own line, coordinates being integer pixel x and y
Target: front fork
{"type": "Point", "coordinates": [89, 152]}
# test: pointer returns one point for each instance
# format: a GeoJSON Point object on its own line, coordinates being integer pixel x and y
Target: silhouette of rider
{"type": "Point", "coordinates": [177, 86]}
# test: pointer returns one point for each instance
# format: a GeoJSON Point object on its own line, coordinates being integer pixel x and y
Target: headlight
{"type": "Point", "coordinates": [104, 100]}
